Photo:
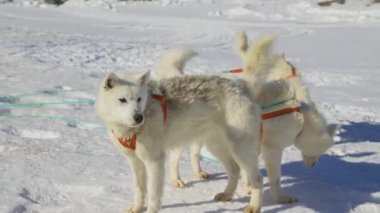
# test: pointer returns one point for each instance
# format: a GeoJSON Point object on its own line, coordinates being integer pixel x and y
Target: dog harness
{"type": "Point", "coordinates": [293, 74]}
{"type": "Point", "coordinates": [277, 113]}
{"type": "Point", "coordinates": [130, 142]}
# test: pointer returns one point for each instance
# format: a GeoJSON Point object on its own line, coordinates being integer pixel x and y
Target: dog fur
{"type": "Point", "coordinates": [216, 110]}
{"type": "Point", "coordinates": [172, 64]}
{"type": "Point", "coordinates": [271, 80]}
{"type": "Point", "coordinates": [267, 76]}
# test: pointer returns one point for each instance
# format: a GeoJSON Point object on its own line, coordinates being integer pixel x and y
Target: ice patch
{"type": "Point", "coordinates": [39, 134]}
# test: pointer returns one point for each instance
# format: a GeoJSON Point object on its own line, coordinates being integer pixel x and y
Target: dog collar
{"type": "Point", "coordinates": [131, 141]}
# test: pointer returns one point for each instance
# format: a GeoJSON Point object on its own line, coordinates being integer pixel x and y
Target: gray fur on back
{"type": "Point", "coordinates": [211, 89]}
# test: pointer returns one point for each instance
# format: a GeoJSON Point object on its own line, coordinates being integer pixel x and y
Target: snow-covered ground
{"type": "Point", "coordinates": [54, 152]}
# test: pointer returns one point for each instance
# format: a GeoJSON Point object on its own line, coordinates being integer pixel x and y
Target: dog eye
{"type": "Point", "coordinates": [138, 100]}
{"type": "Point", "coordinates": [123, 100]}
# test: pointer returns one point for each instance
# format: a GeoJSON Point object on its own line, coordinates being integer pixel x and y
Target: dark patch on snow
{"type": "Point", "coordinates": [11, 130]}
{"type": "Point", "coordinates": [19, 209]}
{"type": "Point", "coordinates": [9, 99]}
{"type": "Point", "coordinates": [26, 195]}
{"type": "Point", "coordinates": [4, 112]}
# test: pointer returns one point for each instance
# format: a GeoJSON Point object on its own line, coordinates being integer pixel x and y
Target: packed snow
{"type": "Point", "coordinates": [55, 155]}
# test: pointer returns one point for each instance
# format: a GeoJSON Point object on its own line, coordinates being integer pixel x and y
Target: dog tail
{"type": "Point", "coordinates": [256, 56]}
{"type": "Point", "coordinates": [173, 61]}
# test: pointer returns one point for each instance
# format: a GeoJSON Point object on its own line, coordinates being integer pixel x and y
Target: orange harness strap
{"type": "Point", "coordinates": [130, 142]}
{"type": "Point", "coordinates": [274, 114]}
{"type": "Point", "coordinates": [279, 113]}
{"type": "Point", "coordinates": [162, 101]}
{"type": "Point", "coordinates": [236, 71]}
{"type": "Point", "coordinates": [294, 72]}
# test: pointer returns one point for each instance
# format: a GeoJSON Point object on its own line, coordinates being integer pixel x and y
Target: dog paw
{"type": "Point", "coordinates": [286, 199]}
{"type": "Point", "coordinates": [202, 175]}
{"type": "Point", "coordinates": [132, 209]}
{"type": "Point", "coordinates": [178, 184]}
{"type": "Point", "coordinates": [223, 197]}
{"type": "Point", "coordinates": [252, 209]}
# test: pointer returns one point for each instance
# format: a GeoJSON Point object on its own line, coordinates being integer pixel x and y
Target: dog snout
{"type": "Point", "coordinates": [138, 118]}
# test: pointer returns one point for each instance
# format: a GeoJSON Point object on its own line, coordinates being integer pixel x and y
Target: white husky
{"type": "Point", "coordinates": [189, 108]}
{"type": "Point", "coordinates": [277, 86]}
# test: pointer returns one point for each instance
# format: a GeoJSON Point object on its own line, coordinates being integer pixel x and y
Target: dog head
{"type": "Point", "coordinates": [316, 136]}
{"type": "Point", "coordinates": [316, 143]}
{"type": "Point", "coordinates": [122, 99]}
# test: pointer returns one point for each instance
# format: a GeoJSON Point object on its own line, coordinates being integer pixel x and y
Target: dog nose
{"type": "Point", "coordinates": [138, 118]}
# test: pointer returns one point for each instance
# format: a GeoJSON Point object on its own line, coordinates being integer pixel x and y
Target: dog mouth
{"type": "Point", "coordinates": [135, 125]}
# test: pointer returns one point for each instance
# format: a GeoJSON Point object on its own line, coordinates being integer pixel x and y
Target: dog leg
{"type": "Point", "coordinates": [245, 182]}
{"type": "Point", "coordinates": [195, 150]}
{"type": "Point", "coordinates": [155, 166]}
{"type": "Point", "coordinates": [254, 177]}
{"type": "Point", "coordinates": [139, 178]}
{"type": "Point", "coordinates": [243, 131]}
{"type": "Point", "coordinates": [272, 158]}
{"type": "Point", "coordinates": [231, 167]}
{"type": "Point", "coordinates": [175, 178]}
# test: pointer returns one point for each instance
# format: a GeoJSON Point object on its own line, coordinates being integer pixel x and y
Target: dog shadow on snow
{"type": "Point", "coordinates": [333, 185]}
{"type": "Point", "coordinates": [360, 131]}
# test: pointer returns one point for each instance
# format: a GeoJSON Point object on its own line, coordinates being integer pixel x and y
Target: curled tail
{"type": "Point", "coordinates": [173, 61]}
{"type": "Point", "coordinates": [256, 55]}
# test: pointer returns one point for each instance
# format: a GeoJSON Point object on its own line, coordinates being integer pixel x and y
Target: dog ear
{"type": "Point", "coordinates": [110, 81]}
{"type": "Point", "coordinates": [144, 78]}
{"type": "Point", "coordinates": [241, 43]}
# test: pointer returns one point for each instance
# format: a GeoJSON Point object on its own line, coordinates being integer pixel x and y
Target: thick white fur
{"type": "Point", "coordinates": [211, 109]}
{"type": "Point", "coordinates": [172, 64]}
{"type": "Point", "coordinates": [307, 130]}
{"type": "Point", "coordinates": [268, 74]}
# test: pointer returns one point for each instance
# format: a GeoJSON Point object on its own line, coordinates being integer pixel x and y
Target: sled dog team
{"type": "Point", "coordinates": [264, 111]}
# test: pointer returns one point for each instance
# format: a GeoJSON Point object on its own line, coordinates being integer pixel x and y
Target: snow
{"type": "Point", "coordinates": [57, 157]}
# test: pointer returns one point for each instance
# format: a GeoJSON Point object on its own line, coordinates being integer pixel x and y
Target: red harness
{"type": "Point", "coordinates": [279, 112]}
{"type": "Point", "coordinates": [294, 72]}
{"type": "Point", "coordinates": [130, 142]}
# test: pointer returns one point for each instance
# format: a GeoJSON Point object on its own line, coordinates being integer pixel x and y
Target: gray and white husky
{"type": "Point", "coordinates": [271, 80]}
{"type": "Point", "coordinates": [216, 110]}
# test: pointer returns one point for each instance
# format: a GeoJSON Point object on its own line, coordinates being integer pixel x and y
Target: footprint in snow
{"type": "Point", "coordinates": [11, 130]}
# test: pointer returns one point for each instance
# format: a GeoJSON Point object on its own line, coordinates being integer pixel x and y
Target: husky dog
{"type": "Point", "coordinates": [274, 80]}
{"type": "Point", "coordinates": [216, 110]}
{"type": "Point", "coordinates": [171, 64]}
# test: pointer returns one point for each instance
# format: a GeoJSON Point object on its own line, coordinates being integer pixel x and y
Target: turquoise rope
{"type": "Point", "coordinates": [90, 102]}
{"type": "Point", "coordinates": [270, 106]}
